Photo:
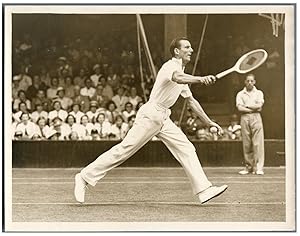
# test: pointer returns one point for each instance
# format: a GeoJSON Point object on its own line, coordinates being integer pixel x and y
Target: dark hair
{"type": "Point", "coordinates": [70, 115]}
{"type": "Point", "coordinates": [110, 102]}
{"type": "Point", "coordinates": [176, 44]}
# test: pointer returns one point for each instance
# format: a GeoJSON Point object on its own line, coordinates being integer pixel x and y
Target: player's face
{"type": "Point", "coordinates": [185, 51]}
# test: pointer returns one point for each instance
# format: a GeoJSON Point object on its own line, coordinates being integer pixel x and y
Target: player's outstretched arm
{"type": "Point", "coordinates": [197, 108]}
{"type": "Point", "coordinates": [183, 78]}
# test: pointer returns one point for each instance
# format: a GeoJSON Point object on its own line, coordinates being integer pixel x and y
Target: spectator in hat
{"type": "Point", "coordinates": [52, 91]}
{"type": "Point", "coordinates": [16, 87]}
{"type": "Point", "coordinates": [60, 128]}
{"type": "Point", "coordinates": [233, 130]}
{"type": "Point", "coordinates": [57, 112]}
{"type": "Point", "coordinates": [63, 65]}
{"type": "Point", "coordinates": [21, 98]}
{"type": "Point", "coordinates": [65, 102]}
{"type": "Point", "coordinates": [24, 80]}
{"type": "Point", "coordinates": [107, 89]}
{"type": "Point", "coordinates": [54, 135]}
{"type": "Point", "coordinates": [39, 112]}
{"type": "Point", "coordinates": [88, 90]}
{"type": "Point", "coordinates": [80, 99]}
{"type": "Point", "coordinates": [92, 113]}
{"type": "Point", "coordinates": [97, 75]}
{"type": "Point", "coordinates": [76, 112]}
{"type": "Point", "coordinates": [102, 126]}
{"type": "Point", "coordinates": [27, 127]}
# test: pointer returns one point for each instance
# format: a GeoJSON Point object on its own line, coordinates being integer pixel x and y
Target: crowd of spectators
{"type": "Point", "coordinates": [78, 90]}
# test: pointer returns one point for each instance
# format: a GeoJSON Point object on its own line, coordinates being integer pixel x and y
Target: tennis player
{"type": "Point", "coordinates": [153, 119]}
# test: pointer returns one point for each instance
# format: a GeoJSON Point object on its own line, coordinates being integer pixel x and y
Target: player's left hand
{"type": "Point", "coordinates": [217, 127]}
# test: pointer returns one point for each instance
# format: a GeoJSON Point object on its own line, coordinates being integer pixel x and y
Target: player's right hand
{"type": "Point", "coordinates": [209, 79]}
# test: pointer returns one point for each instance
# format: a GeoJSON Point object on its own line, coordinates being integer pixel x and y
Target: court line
{"type": "Point", "coordinates": [146, 182]}
{"type": "Point", "coordinates": [148, 203]}
{"type": "Point", "coordinates": [153, 177]}
{"type": "Point", "coordinates": [153, 168]}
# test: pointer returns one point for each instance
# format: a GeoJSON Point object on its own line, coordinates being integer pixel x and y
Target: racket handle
{"type": "Point", "coordinates": [224, 73]}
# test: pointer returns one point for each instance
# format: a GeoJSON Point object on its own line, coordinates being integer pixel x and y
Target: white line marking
{"type": "Point", "coordinates": [154, 177]}
{"type": "Point", "coordinates": [147, 182]}
{"type": "Point", "coordinates": [149, 168]}
{"type": "Point", "coordinates": [148, 203]}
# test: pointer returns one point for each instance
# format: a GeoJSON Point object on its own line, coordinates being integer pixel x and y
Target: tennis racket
{"type": "Point", "coordinates": [248, 62]}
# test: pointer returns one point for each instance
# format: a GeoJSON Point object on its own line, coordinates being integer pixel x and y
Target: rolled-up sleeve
{"type": "Point", "coordinates": [186, 91]}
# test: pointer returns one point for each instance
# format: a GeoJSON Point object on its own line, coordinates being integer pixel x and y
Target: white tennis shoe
{"type": "Point", "coordinates": [80, 187]}
{"type": "Point", "coordinates": [211, 193]}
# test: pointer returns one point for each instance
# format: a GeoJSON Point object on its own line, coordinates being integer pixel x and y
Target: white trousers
{"type": "Point", "coordinates": [151, 120]}
{"type": "Point", "coordinates": [253, 141]}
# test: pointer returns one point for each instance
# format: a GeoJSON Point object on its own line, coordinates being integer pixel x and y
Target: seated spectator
{"type": "Point", "coordinates": [54, 135]}
{"type": "Point", "coordinates": [57, 112]}
{"type": "Point", "coordinates": [119, 129]}
{"type": "Point", "coordinates": [99, 97]}
{"type": "Point", "coordinates": [97, 75]}
{"type": "Point", "coordinates": [192, 124]}
{"type": "Point", "coordinates": [93, 113]}
{"type": "Point", "coordinates": [138, 106]}
{"type": "Point", "coordinates": [13, 127]}
{"type": "Point", "coordinates": [41, 99]}
{"type": "Point", "coordinates": [203, 134]}
{"type": "Point", "coordinates": [65, 102]}
{"type": "Point", "coordinates": [95, 135]}
{"type": "Point", "coordinates": [24, 80]}
{"type": "Point", "coordinates": [21, 98]}
{"type": "Point", "coordinates": [88, 90]}
{"type": "Point", "coordinates": [43, 129]}
{"type": "Point", "coordinates": [128, 111]}
{"type": "Point", "coordinates": [131, 120]}
{"type": "Point", "coordinates": [36, 137]}
{"type": "Point", "coordinates": [80, 99]}
{"type": "Point", "coordinates": [63, 66]}
{"type": "Point", "coordinates": [120, 100]}
{"type": "Point", "coordinates": [27, 127]}
{"type": "Point", "coordinates": [39, 112]}
{"type": "Point", "coordinates": [80, 79]}
{"type": "Point", "coordinates": [87, 128]}
{"type": "Point", "coordinates": [73, 126]}
{"type": "Point", "coordinates": [52, 91]}
{"type": "Point", "coordinates": [107, 89]}
{"type": "Point", "coordinates": [134, 98]}
{"type": "Point", "coordinates": [37, 85]}
{"type": "Point", "coordinates": [16, 87]}
{"type": "Point", "coordinates": [69, 87]}
{"type": "Point", "coordinates": [113, 79]}
{"type": "Point", "coordinates": [61, 129]}
{"type": "Point", "coordinates": [76, 112]}
{"type": "Point", "coordinates": [22, 109]}
{"type": "Point", "coordinates": [102, 126]}
{"type": "Point", "coordinates": [45, 77]}
{"type": "Point", "coordinates": [73, 136]}
{"type": "Point", "coordinates": [111, 112]}
{"type": "Point", "coordinates": [234, 129]}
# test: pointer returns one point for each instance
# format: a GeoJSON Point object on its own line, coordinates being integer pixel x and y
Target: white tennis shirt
{"type": "Point", "coordinates": [165, 91]}
{"type": "Point", "coordinates": [251, 98]}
